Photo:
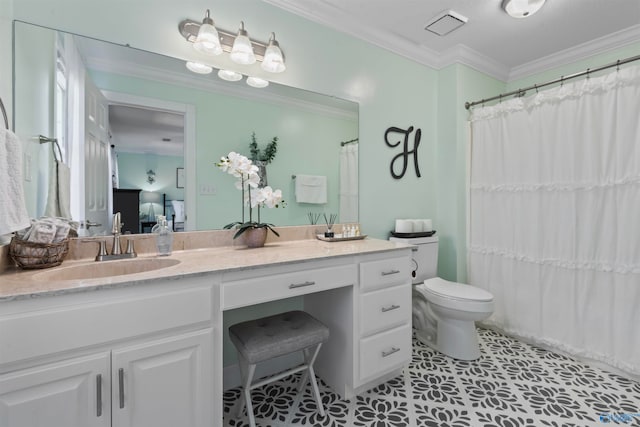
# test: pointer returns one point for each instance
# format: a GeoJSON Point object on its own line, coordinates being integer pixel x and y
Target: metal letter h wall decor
{"type": "Point", "coordinates": [404, 155]}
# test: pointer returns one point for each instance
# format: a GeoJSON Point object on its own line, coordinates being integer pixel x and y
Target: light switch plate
{"type": "Point", "coordinates": [208, 190]}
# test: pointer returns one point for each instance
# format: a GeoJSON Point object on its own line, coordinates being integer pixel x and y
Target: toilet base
{"type": "Point", "coordinates": [457, 339]}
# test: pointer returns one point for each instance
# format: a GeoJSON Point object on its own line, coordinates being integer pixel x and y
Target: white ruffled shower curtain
{"type": "Point", "coordinates": [555, 216]}
{"type": "Point", "coordinates": [349, 183]}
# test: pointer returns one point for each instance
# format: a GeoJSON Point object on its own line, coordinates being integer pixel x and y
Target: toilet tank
{"type": "Point", "coordinates": [425, 257]}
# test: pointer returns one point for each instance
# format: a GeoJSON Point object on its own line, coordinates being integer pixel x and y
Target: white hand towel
{"type": "Point", "coordinates": [59, 197]}
{"type": "Point", "coordinates": [13, 210]}
{"type": "Point", "coordinates": [311, 189]}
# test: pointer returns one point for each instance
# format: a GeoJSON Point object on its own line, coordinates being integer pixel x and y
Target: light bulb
{"type": "Point", "coordinates": [242, 50]}
{"type": "Point", "coordinates": [208, 40]}
{"type": "Point", "coordinates": [230, 76]}
{"type": "Point", "coordinates": [198, 67]}
{"type": "Point", "coordinates": [273, 61]}
{"type": "Point", "coordinates": [257, 82]}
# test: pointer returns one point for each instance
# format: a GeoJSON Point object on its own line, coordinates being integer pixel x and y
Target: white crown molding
{"type": "Point", "coordinates": [576, 53]}
{"type": "Point", "coordinates": [338, 21]}
{"type": "Point", "coordinates": [214, 85]}
{"type": "Point", "coordinates": [461, 53]}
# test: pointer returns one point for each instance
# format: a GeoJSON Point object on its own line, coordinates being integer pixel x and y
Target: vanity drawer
{"type": "Point", "coordinates": [385, 351]}
{"type": "Point", "coordinates": [385, 272]}
{"type": "Point", "coordinates": [384, 309]}
{"type": "Point", "coordinates": [246, 292]}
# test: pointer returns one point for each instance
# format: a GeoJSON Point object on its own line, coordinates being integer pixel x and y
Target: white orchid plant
{"type": "Point", "coordinates": [253, 195]}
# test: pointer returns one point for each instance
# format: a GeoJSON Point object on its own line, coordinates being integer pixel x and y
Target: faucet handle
{"type": "Point", "coordinates": [130, 249]}
{"type": "Point", "coordinates": [102, 249]}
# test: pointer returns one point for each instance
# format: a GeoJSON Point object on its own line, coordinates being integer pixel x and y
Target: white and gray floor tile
{"type": "Point", "coordinates": [513, 384]}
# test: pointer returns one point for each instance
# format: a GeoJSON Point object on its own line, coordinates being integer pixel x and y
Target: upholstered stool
{"type": "Point", "coordinates": [263, 339]}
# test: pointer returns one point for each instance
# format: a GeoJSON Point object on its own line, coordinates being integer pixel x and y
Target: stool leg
{"type": "Point", "coordinates": [247, 371]}
{"type": "Point", "coordinates": [312, 377]}
{"type": "Point", "coordinates": [305, 373]}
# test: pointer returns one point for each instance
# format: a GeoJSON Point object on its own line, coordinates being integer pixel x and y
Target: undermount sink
{"type": "Point", "coordinates": [96, 270]}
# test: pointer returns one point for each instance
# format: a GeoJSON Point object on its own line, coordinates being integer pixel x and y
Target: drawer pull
{"type": "Point", "coordinates": [121, 386]}
{"type": "Point", "coordinates": [391, 307]}
{"type": "Point", "coordinates": [301, 285]}
{"type": "Point", "coordinates": [99, 395]}
{"type": "Point", "coordinates": [388, 273]}
{"type": "Point", "coordinates": [390, 352]}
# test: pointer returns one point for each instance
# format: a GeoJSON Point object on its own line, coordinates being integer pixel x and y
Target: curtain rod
{"type": "Point", "coordinates": [522, 92]}
{"type": "Point", "coordinates": [343, 143]}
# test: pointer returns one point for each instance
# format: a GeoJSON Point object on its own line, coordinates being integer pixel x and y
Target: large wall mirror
{"type": "Point", "coordinates": [141, 133]}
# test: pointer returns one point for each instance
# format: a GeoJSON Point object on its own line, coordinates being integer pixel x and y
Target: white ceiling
{"type": "Point", "coordinates": [140, 130]}
{"type": "Point", "coordinates": [491, 41]}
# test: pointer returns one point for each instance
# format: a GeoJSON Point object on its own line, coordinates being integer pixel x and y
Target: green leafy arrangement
{"type": "Point", "coordinates": [269, 152]}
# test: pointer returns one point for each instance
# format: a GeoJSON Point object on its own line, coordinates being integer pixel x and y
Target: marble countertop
{"type": "Point", "coordinates": [22, 284]}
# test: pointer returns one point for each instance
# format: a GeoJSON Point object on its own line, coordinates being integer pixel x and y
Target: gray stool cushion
{"type": "Point", "coordinates": [276, 335]}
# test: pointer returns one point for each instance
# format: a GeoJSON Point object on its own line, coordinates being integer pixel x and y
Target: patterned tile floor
{"type": "Point", "coordinates": [513, 384]}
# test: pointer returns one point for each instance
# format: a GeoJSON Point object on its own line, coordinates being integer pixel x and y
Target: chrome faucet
{"type": "Point", "coordinates": [116, 250]}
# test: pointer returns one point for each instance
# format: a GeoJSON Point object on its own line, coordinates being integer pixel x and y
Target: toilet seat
{"type": "Point", "coordinates": [457, 291]}
{"type": "Point", "coordinates": [455, 296]}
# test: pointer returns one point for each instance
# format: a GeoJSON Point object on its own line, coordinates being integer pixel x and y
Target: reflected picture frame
{"type": "Point", "coordinates": [179, 177]}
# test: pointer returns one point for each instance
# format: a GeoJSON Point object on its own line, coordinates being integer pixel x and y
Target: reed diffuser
{"type": "Point", "coordinates": [330, 221]}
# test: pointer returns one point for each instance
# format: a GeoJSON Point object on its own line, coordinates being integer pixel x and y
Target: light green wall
{"type": "Point", "coordinates": [35, 109]}
{"type": "Point", "coordinates": [132, 173]}
{"type": "Point", "coordinates": [308, 143]}
{"type": "Point", "coordinates": [457, 84]}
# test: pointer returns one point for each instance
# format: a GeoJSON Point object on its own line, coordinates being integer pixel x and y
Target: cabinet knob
{"type": "Point", "coordinates": [390, 352]}
{"type": "Point", "coordinates": [389, 308]}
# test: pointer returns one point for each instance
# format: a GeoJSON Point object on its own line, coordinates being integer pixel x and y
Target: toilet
{"type": "Point", "coordinates": [444, 312]}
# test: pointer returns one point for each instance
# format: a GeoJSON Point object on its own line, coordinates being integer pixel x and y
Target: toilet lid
{"type": "Point", "coordinates": [454, 290]}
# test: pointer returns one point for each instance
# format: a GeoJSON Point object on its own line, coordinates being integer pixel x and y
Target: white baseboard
{"type": "Point", "coordinates": [231, 373]}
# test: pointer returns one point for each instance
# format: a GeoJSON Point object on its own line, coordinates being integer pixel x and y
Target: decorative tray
{"type": "Point", "coordinates": [412, 235]}
{"type": "Point", "coordinates": [339, 238]}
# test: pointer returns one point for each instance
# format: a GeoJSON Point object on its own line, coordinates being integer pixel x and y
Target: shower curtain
{"type": "Point", "coordinates": [349, 183]}
{"type": "Point", "coordinates": [555, 216]}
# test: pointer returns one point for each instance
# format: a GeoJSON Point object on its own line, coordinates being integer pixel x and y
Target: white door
{"type": "Point", "coordinates": [96, 157]}
{"type": "Point", "coordinates": [164, 383]}
{"type": "Point", "coordinates": [72, 393]}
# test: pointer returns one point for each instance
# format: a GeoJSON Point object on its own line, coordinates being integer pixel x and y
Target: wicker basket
{"type": "Point", "coordinates": [37, 255]}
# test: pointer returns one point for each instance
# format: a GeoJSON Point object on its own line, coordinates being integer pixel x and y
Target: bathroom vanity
{"type": "Point", "coordinates": [145, 349]}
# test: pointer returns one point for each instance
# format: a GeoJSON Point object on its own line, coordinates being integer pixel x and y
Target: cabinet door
{"type": "Point", "coordinates": [164, 383]}
{"type": "Point", "coordinates": [72, 393]}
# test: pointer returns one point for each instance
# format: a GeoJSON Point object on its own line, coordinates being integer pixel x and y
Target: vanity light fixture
{"type": "Point", "coordinates": [257, 82]}
{"type": "Point", "coordinates": [207, 39]}
{"type": "Point", "coordinates": [198, 67]}
{"type": "Point", "coordinates": [242, 51]}
{"type": "Point", "coordinates": [229, 75]}
{"type": "Point", "coordinates": [522, 8]}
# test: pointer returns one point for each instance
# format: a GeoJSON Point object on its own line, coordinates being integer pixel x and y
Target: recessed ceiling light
{"type": "Point", "coordinates": [446, 22]}
{"type": "Point", "coordinates": [522, 8]}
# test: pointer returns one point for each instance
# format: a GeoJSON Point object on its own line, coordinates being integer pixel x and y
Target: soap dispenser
{"type": "Point", "coordinates": [164, 236]}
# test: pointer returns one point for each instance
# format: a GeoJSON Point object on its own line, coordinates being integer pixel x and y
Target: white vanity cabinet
{"type": "Point", "coordinates": [385, 317]}
{"type": "Point", "coordinates": [140, 356]}
{"type": "Point", "coordinates": [68, 393]}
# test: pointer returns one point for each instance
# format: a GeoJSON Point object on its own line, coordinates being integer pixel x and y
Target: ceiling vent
{"type": "Point", "coordinates": [446, 22]}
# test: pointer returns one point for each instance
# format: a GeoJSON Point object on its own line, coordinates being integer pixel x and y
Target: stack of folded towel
{"type": "Point", "coordinates": [48, 230]}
